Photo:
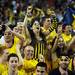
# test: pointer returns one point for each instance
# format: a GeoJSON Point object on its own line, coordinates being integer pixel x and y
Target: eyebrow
{"type": "Point", "coordinates": [40, 71]}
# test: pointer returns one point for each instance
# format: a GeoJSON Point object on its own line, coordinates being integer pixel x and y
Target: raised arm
{"type": "Point", "coordinates": [16, 34]}
{"type": "Point", "coordinates": [71, 42]}
{"type": "Point", "coordinates": [55, 45]}
{"type": "Point", "coordinates": [27, 34]}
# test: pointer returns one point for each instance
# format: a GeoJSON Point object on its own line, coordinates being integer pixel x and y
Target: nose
{"type": "Point", "coordinates": [14, 63]}
{"type": "Point", "coordinates": [63, 61]}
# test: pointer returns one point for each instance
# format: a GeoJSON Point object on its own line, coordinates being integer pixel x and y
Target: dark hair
{"type": "Point", "coordinates": [42, 64]}
{"type": "Point", "coordinates": [29, 4]}
{"type": "Point", "coordinates": [64, 54]}
{"type": "Point", "coordinates": [12, 55]}
{"type": "Point", "coordinates": [43, 19]}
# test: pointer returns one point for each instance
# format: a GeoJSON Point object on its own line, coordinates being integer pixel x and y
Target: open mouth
{"type": "Point", "coordinates": [14, 67]}
{"type": "Point", "coordinates": [7, 38]}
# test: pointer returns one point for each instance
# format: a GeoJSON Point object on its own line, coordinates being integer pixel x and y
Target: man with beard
{"type": "Point", "coordinates": [63, 67]}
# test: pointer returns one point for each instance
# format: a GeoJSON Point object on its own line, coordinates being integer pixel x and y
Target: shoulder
{"type": "Point", "coordinates": [54, 72]}
{"type": "Point", "coordinates": [71, 72]}
{"type": "Point", "coordinates": [21, 73]}
{"type": "Point", "coordinates": [5, 73]}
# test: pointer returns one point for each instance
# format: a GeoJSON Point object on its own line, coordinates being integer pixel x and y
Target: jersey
{"type": "Point", "coordinates": [67, 38]}
{"type": "Point", "coordinates": [29, 66]}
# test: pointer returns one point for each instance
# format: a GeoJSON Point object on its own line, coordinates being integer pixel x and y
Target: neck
{"type": "Point", "coordinates": [27, 58]}
{"type": "Point", "coordinates": [9, 44]}
{"type": "Point", "coordinates": [45, 27]}
{"type": "Point", "coordinates": [67, 33]}
{"type": "Point", "coordinates": [37, 34]}
{"type": "Point", "coordinates": [38, 37]}
{"type": "Point", "coordinates": [11, 72]}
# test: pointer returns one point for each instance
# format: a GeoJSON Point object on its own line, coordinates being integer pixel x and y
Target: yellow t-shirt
{"type": "Point", "coordinates": [49, 38]}
{"type": "Point", "coordinates": [70, 65]}
{"type": "Point", "coordinates": [13, 48]}
{"type": "Point", "coordinates": [43, 29]}
{"type": "Point", "coordinates": [3, 68]}
{"type": "Point", "coordinates": [67, 38]}
{"type": "Point", "coordinates": [29, 66]}
{"type": "Point", "coordinates": [19, 73]}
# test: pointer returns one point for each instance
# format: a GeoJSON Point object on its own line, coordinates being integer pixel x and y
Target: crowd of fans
{"type": "Point", "coordinates": [37, 37]}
